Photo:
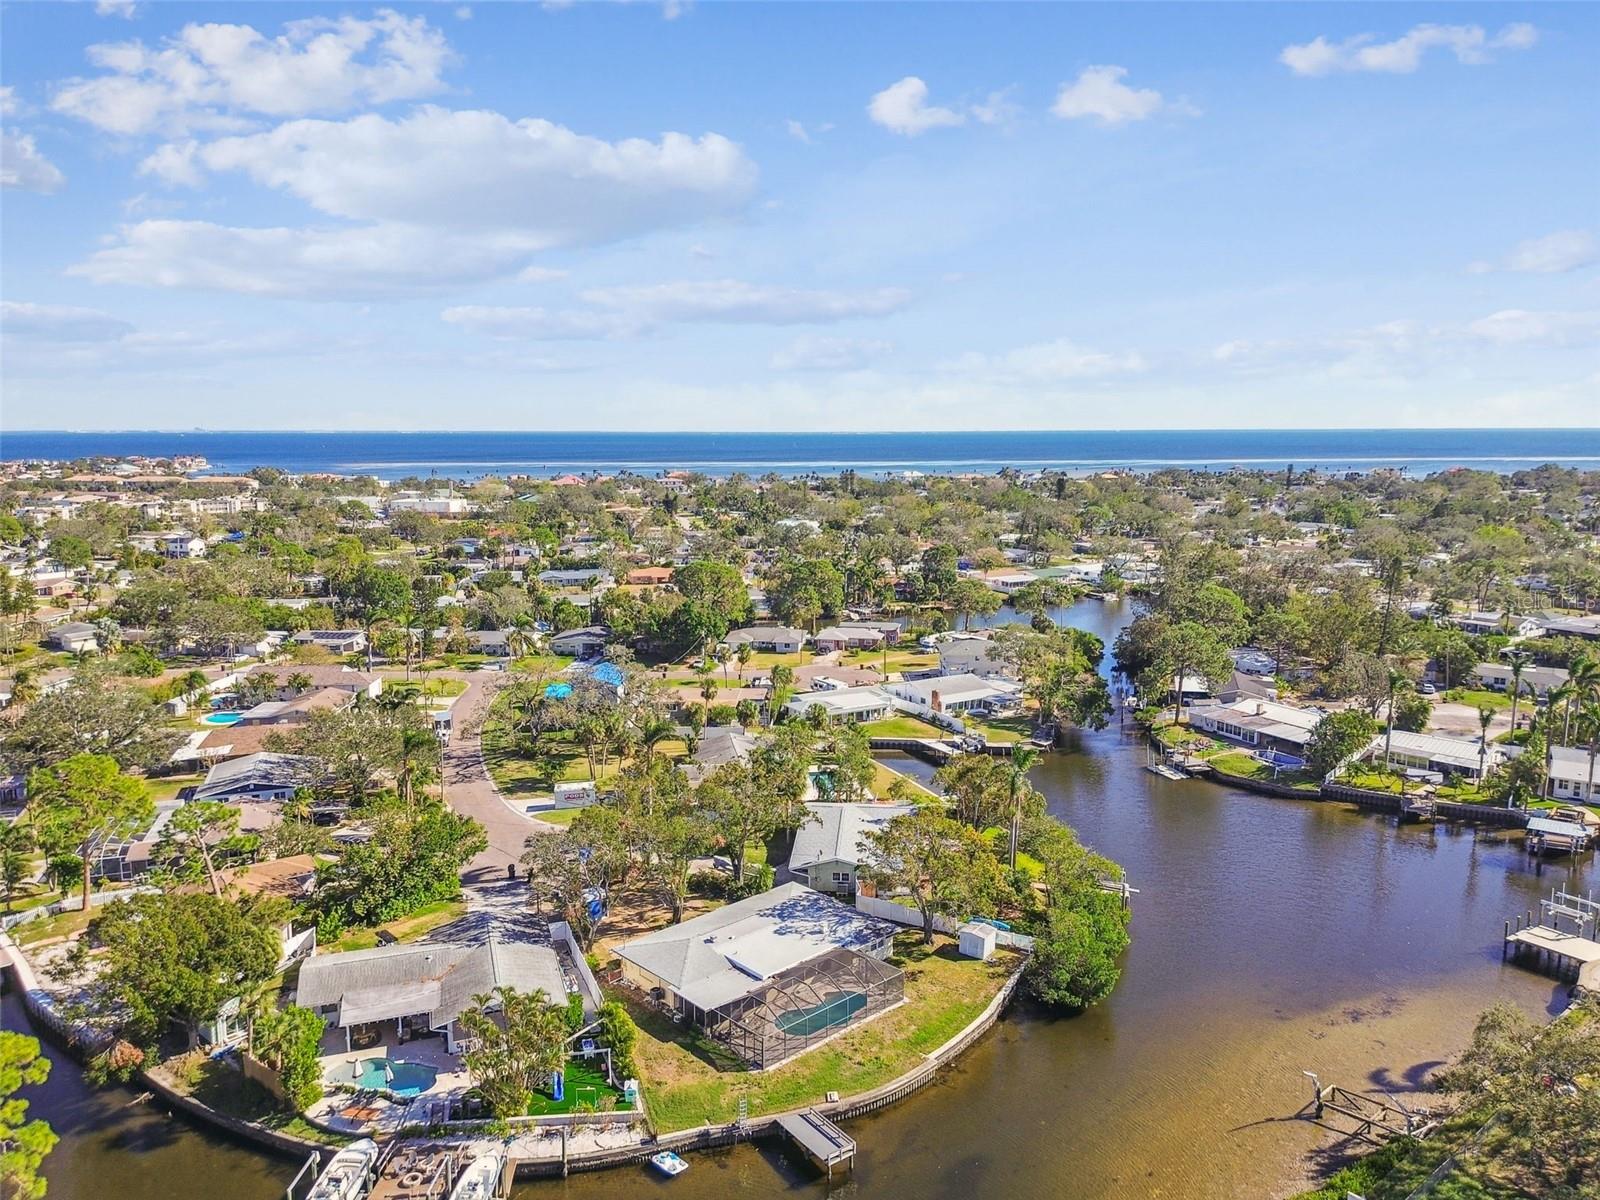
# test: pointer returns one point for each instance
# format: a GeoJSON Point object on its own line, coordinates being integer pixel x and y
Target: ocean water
{"type": "Point", "coordinates": [466, 455]}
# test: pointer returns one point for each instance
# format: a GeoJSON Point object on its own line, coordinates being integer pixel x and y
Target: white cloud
{"type": "Point", "coordinates": [23, 167]}
{"type": "Point", "coordinates": [626, 312]}
{"type": "Point", "coordinates": [463, 12]}
{"type": "Point", "coordinates": [736, 302]}
{"type": "Point", "coordinates": [903, 108]}
{"type": "Point", "coordinates": [58, 323]}
{"type": "Point", "coordinates": [126, 9]}
{"type": "Point", "coordinates": [1099, 94]}
{"type": "Point", "coordinates": [797, 131]}
{"type": "Point", "coordinates": [1046, 362]}
{"type": "Point", "coordinates": [540, 275]}
{"type": "Point", "coordinates": [1470, 44]}
{"type": "Point", "coordinates": [997, 109]}
{"type": "Point", "coordinates": [9, 105]}
{"type": "Point", "coordinates": [477, 170]}
{"type": "Point", "coordinates": [1518, 327]}
{"type": "Point", "coordinates": [829, 354]}
{"type": "Point", "coordinates": [540, 324]}
{"type": "Point", "coordinates": [385, 259]}
{"type": "Point", "coordinates": [215, 76]}
{"type": "Point", "coordinates": [1554, 253]}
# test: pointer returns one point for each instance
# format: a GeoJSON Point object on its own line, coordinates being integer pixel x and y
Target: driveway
{"type": "Point", "coordinates": [469, 790]}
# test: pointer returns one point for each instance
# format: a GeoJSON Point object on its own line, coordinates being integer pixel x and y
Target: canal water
{"type": "Point", "coordinates": [1270, 937]}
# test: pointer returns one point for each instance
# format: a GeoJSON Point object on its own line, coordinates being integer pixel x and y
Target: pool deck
{"type": "Point", "coordinates": [340, 1110]}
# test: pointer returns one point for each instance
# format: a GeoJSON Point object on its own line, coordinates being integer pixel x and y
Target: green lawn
{"type": "Point", "coordinates": [168, 786]}
{"type": "Point", "coordinates": [902, 725]}
{"type": "Point", "coordinates": [884, 777]}
{"type": "Point", "coordinates": [220, 1087]}
{"type": "Point", "coordinates": [689, 1080]}
{"type": "Point", "coordinates": [1479, 698]}
{"type": "Point", "coordinates": [900, 658]}
{"type": "Point", "coordinates": [586, 1086]}
{"type": "Point", "coordinates": [551, 664]}
{"type": "Point", "coordinates": [557, 816]}
{"type": "Point", "coordinates": [406, 929]}
{"type": "Point", "coordinates": [31, 933]}
{"type": "Point", "coordinates": [1002, 729]}
{"type": "Point", "coordinates": [1238, 762]}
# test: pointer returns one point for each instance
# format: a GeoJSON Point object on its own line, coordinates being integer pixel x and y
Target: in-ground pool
{"type": "Point", "coordinates": [835, 1010]}
{"type": "Point", "coordinates": [392, 1075]}
{"type": "Point", "coordinates": [221, 718]}
{"type": "Point", "coordinates": [558, 691]}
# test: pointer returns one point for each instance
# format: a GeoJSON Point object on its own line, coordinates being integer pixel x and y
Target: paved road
{"type": "Point", "coordinates": [469, 790]}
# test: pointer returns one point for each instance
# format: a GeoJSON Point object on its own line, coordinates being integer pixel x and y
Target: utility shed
{"type": "Point", "coordinates": [977, 941]}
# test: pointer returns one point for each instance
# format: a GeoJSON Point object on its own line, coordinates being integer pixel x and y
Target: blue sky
{"type": "Point", "coordinates": [799, 216]}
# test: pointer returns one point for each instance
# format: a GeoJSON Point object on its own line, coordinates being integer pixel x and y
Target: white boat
{"type": "Point", "coordinates": [480, 1178]}
{"type": "Point", "coordinates": [668, 1163]}
{"type": "Point", "coordinates": [348, 1176]}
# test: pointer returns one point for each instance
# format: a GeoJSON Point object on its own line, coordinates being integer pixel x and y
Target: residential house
{"type": "Point", "coordinates": [585, 642]}
{"type": "Point", "coordinates": [954, 695]}
{"type": "Point", "coordinates": [1536, 681]}
{"type": "Point", "coordinates": [335, 641]}
{"type": "Point", "coordinates": [296, 710]}
{"type": "Point", "coordinates": [1485, 623]}
{"type": "Point", "coordinates": [422, 989]}
{"type": "Point", "coordinates": [773, 639]}
{"type": "Point", "coordinates": [1574, 776]}
{"type": "Point", "coordinates": [1434, 753]}
{"type": "Point", "coordinates": [829, 848]}
{"type": "Point", "coordinates": [743, 972]}
{"type": "Point", "coordinates": [74, 637]}
{"type": "Point", "coordinates": [1261, 724]}
{"type": "Point", "coordinates": [857, 704]}
{"type": "Point", "coordinates": [839, 637]}
{"type": "Point", "coordinates": [973, 654]}
{"type": "Point", "coordinates": [318, 676]}
{"type": "Point", "coordinates": [576, 577]}
{"type": "Point", "coordinates": [262, 776]}
{"type": "Point", "coordinates": [890, 630]}
{"type": "Point", "coordinates": [649, 576]}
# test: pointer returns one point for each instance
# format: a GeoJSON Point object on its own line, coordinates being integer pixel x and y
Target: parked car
{"type": "Point", "coordinates": [1427, 689]}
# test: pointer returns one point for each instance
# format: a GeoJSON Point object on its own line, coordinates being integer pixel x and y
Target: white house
{"type": "Point", "coordinates": [954, 694]}
{"type": "Point", "coordinates": [1264, 724]}
{"type": "Point", "coordinates": [1539, 681]}
{"type": "Point", "coordinates": [1570, 775]}
{"type": "Point", "coordinates": [773, 639]}
{"type": "Point", "coordinates": [262, 776]}
{"type": "Point", "coordinates": [867, 703]}
{"type": "Point", "coordinates": [973, 655]}
{"type": "Point", "coordinates": [829, 847]}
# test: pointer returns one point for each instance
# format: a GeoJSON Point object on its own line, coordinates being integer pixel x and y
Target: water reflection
{"type": "Point", "coordinates": [1270, 937]}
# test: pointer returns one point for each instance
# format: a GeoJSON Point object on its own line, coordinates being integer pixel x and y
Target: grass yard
{"type": "Point", "coordinates": [903, 725]}
{"type": "Point", "coordinates": [220, 1087]}
{"type": "Point", "coordinates": [551, 664]}
{"type": "Point", "coordinates": [406, 929]}
{"type": "Point", "coordinates": [900, 658]}
{"type": "Point", "coordinates": [33, 933]}
{"type": "Point", "coordinates": [1237, 762]}
{"type": "Point", "coordinates": [557, 816]}
{"type": "Point", "coordinates": [586, 1090]}
{"type": "Point", "coordinates": [168, 786]}
{"type": "Point", "coordinates": [1479, 698]}
{"type": "Point", "coordinates": [884, 777]}
{"type": "Point", "coordinates": [1002, 729]}
{"type": "Point", "coordinates": [690, 1080]}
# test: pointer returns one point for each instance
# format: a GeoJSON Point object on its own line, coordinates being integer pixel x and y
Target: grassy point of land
{"type": "Point", "coordinates": [223, 1089]}
{"type": "Point", "coordinates": [690, 1080]}
{"type": "Point", "coordinates": [903, 725]}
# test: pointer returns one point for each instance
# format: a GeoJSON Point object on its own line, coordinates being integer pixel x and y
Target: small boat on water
{"type": "Point", "coordinates": [668, 1163]}
{"type": "Point", "coordinates": [1163, 770]}
{"type": "Point", "coordinates": [348, 1175]}
{"type": "Point", "coordinates": [480, 1178]}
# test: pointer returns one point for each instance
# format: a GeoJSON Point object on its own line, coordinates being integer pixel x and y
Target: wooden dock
{"type": "Point", "coordinates": [1562, 953]}
{"type": "Point", "coordinates": [1567, 955]}
{"type": "Point", "coordinates": [820, 1140]}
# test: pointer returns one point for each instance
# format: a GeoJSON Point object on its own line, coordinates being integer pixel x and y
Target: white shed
{"type": "Point", "coordinates": [977, 941]}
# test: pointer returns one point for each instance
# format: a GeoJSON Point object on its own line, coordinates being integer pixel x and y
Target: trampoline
{"type": "Point", "coordinates": [836, 1010]}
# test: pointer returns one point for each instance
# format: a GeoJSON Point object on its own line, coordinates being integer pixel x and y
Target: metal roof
{"type": "Point", "coordinates": [838, 831]}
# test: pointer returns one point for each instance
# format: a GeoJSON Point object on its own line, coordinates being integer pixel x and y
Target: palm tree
{"type": "Point", "coordinates": [708, 690]}
{"type": "Point", "coordinates": [1396, 678]}
{"type": "Point", "coordinates": [24, 685]}
{"type": "Point", "coordinates": [1022, 760]}
{"type": "Point", "coordinates": [1485, 718]}
{"type": "Point", "coordinates": [743, 654]}
{"type": "Point", "coordinates": [416, 748]}
{"type": "Point", "coordinates": [1519, 660]}
{"type": "Point", "coordinates": [1589, 721]}
{"type": "Point", "coordinates": [1562, 698]}
{"type": "Point", "coordinates": [654, 733]}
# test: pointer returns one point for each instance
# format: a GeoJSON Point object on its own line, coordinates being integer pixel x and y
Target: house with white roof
{"type": "Point", "coordinates": [954, 694]}
{"type": "Point", "coordinates": [868, 703]}
{"type": "Point", "coordinates": [1435, 753]}
{"type": "Point", "coordinates": [770, 975]}
{"type": "Point", "coordinates": [1573, 776]}
{"type": "Point", "coordinates": [1263, 724]}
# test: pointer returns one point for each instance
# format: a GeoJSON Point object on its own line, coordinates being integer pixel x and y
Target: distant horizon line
{"type": "Point", "coordinates": [854, 432]}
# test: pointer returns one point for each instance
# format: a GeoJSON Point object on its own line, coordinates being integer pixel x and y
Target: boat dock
{"type": "Point", "coordinates": [1556, 951]}
{"type": "Point", "coordinates": [820, 1140]}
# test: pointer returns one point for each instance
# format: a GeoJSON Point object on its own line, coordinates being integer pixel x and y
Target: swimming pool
{"type": "Point", "coordinates": [392, 1075]}
{"type": "Point", "coordinates": [221, 718]}
{"type": "Point", "coordinates": [558, 691]}
{"type": "Point", "coordinates": [835, 1010]}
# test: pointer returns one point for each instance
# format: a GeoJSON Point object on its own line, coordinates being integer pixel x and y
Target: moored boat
{"type": "Point", "coordinates": [480, 1178]}
{"type": "Point", "coordinates": [668, 1163]}
{"type": "Point", "coordinates": [348, 1175]}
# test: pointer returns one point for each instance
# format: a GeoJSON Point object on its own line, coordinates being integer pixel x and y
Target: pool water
{"type": "Point", "coordinates": [836, 1010]}
{"type": "Point", "coordinates": [221, 718]}
{"type": "Point", "coordinates": [391, 1075]}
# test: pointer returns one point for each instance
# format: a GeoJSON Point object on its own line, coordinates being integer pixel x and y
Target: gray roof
{"type": "Point", "coordinates": [439, 979]}
{"type": "Point", "coordinates": [720, 745]}
{"type": "Point", "coordinates": [261, 770]}
{"type": "Point", "coordinates": [838, 832]}
{"type": "Point", "coordinates": [734, 950]}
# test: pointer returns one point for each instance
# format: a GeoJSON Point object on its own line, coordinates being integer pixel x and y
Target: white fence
{"type": "Point", "coordinates": [562, 932]}
{"type": "Point", "coordinates": [876, 906]}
